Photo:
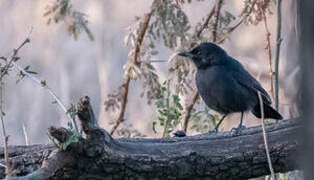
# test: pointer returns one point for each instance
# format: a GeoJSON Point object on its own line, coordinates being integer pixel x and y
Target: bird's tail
{"type": "Point", "coordinates": [269, 112]}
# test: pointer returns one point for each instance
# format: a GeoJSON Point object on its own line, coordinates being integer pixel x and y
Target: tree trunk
{"type": "Point", "coordinates": [305, 29]}
{"type": "Point", "coordinates": [206, 156]}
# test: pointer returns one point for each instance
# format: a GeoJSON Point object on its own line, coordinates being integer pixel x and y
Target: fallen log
{"type": "Point", "coordinates": [205, 156]}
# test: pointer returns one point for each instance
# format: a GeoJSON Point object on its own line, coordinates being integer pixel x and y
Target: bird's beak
{"type": "Point", "coordinates": [185, 54]}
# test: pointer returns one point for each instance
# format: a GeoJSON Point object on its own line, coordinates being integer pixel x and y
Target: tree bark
{"type": "Point", "coordinates": [206, 156]}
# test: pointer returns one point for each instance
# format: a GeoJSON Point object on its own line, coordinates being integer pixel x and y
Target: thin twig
{"type": "Point", "coordinates": [230, 31]}
{"type": "Point", "coordinates": [265, 137]}
{"type": "Point", "coordinates": [217, 14]}
{"type": "Point", "coordinates": [237, 25]}
{"type": "Point", "coordinates": [278, 43]}
{"type": "Point", "coordinates": [44, 85]}
{"type": "Point", "coordinates": [25, 134]}
{"type": "Point", "coordinates": [135, 60]}
{"type": "Point", "coordinates": [165, 132]}
{"type": "Point", "coordinates": [6, 68]}
{"type": "Point", "coordinates": [206, 22]}
{"type": "Point", "coordinates": [4, 71]}
{"type": "Point", "coordinates": [123, 106]}
{"type": "Point", "coordinates": [189, 109]}
{"type": "Point", "coordinates": [268, 48]}
{"type": "Point", "coordinates": [5, 137]}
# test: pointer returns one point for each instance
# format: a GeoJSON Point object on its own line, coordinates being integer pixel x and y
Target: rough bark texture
{"type": "Point", "coordinates": [206, 156]}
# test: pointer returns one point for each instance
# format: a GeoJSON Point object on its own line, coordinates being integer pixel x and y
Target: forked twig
{"type": "Point", "coordinates": [4, 71]}
{"type": "Point", "coordinates": [44, 85]}
{"type": "Point", "coordinates": [237, 25]}
{"type": "Point", "coordinates": [206, 22]}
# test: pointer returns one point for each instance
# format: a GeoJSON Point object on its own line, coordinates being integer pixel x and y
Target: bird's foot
{"type": "Point", "coordinates": [179, 133]}
{"type": "Point", "coordinates": [237, 131]}
{"type": "Point", "coordinates": [214, 131]}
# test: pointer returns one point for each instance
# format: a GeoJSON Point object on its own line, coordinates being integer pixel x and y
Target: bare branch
{"type": "Point", "coordinates": [4, 71]}
{"type": "Point", "coordinates": [278, 43]}
{"type": "Point", "coordinates": [5, 136]}
{"type": "Point", "coordinates": [265, 137]}
{"type": "Point", "coordinates": [135, 60]}
{"type": "Point", "coordinates": [206, 22]}
{"type": "Point", "coordinates": [268, 48]}
{"type": "Point", "coordinates": [44, 85]}
{"type": "Point", "coordinates": [237, 25]}
{"type": "Point", "coordinates": [188, 111]}
{"type": "Point", "coordinates": [25, 134]}
{"type": "Point", "coordinates": [217, 14]}
{"type": "Point", "coordinates": [14, 58]}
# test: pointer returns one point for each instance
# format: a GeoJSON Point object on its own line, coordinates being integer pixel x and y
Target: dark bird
{"type": "Point", "coordinates": [225, 86]}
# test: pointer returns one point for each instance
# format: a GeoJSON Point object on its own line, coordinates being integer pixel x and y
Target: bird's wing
{"type": "Point", "coordinates": [246, 79]}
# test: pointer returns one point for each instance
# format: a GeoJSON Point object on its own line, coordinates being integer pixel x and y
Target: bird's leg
{"type": "Point", "coordinates": [241, 121]}
{"type": "Point", "coordinates": [217, 126]}
{"type": "Point", "coordinates": [237, 131]}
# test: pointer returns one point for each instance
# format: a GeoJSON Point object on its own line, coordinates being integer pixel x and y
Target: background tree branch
{"type": "Point", "coordinates": [135, 61]}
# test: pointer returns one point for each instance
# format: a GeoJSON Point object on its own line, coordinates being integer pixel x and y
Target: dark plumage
{"type": "Point", "coordinates": [225, 85]}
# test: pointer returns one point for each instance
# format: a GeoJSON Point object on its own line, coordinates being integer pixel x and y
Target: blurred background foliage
{"type": "Point", "coordinates": [123, 55]}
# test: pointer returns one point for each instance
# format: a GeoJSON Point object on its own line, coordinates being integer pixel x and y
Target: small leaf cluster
{"type": "Point", "coordinates": [168, 110]}
{"type": "Point", "coordinates": [169, 24]}
{"type": "Point", "coordinates": [21, 74]}
{"type": "Point", "coordinates": [203, 120]}
{"type": "Point", "coordinates": [75, 136]}
{"type": "Point", "coordinates": [72, 139]}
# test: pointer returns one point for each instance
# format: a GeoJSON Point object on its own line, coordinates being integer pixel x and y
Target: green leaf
{"type": "Point", "coordinates": [31, 72]}
{"type": "Point", "coordinates": [3, 113]}
{"type": "Point", "coordinates": [154, 127]}
{"type": "Point", "coordinates": [73, 138]}
{"type": "Point", "coordinates": [27, 68]}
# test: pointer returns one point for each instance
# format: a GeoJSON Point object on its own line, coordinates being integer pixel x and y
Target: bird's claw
{"type": "Point", "coordinates": [237, 131]}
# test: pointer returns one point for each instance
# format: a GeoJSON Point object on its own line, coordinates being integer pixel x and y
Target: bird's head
{"type": "Point", "coordinates": [205, 55]}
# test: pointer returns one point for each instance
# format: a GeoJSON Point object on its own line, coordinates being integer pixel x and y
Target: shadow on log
{"type": "Point", "coordinates": [99, 156]}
